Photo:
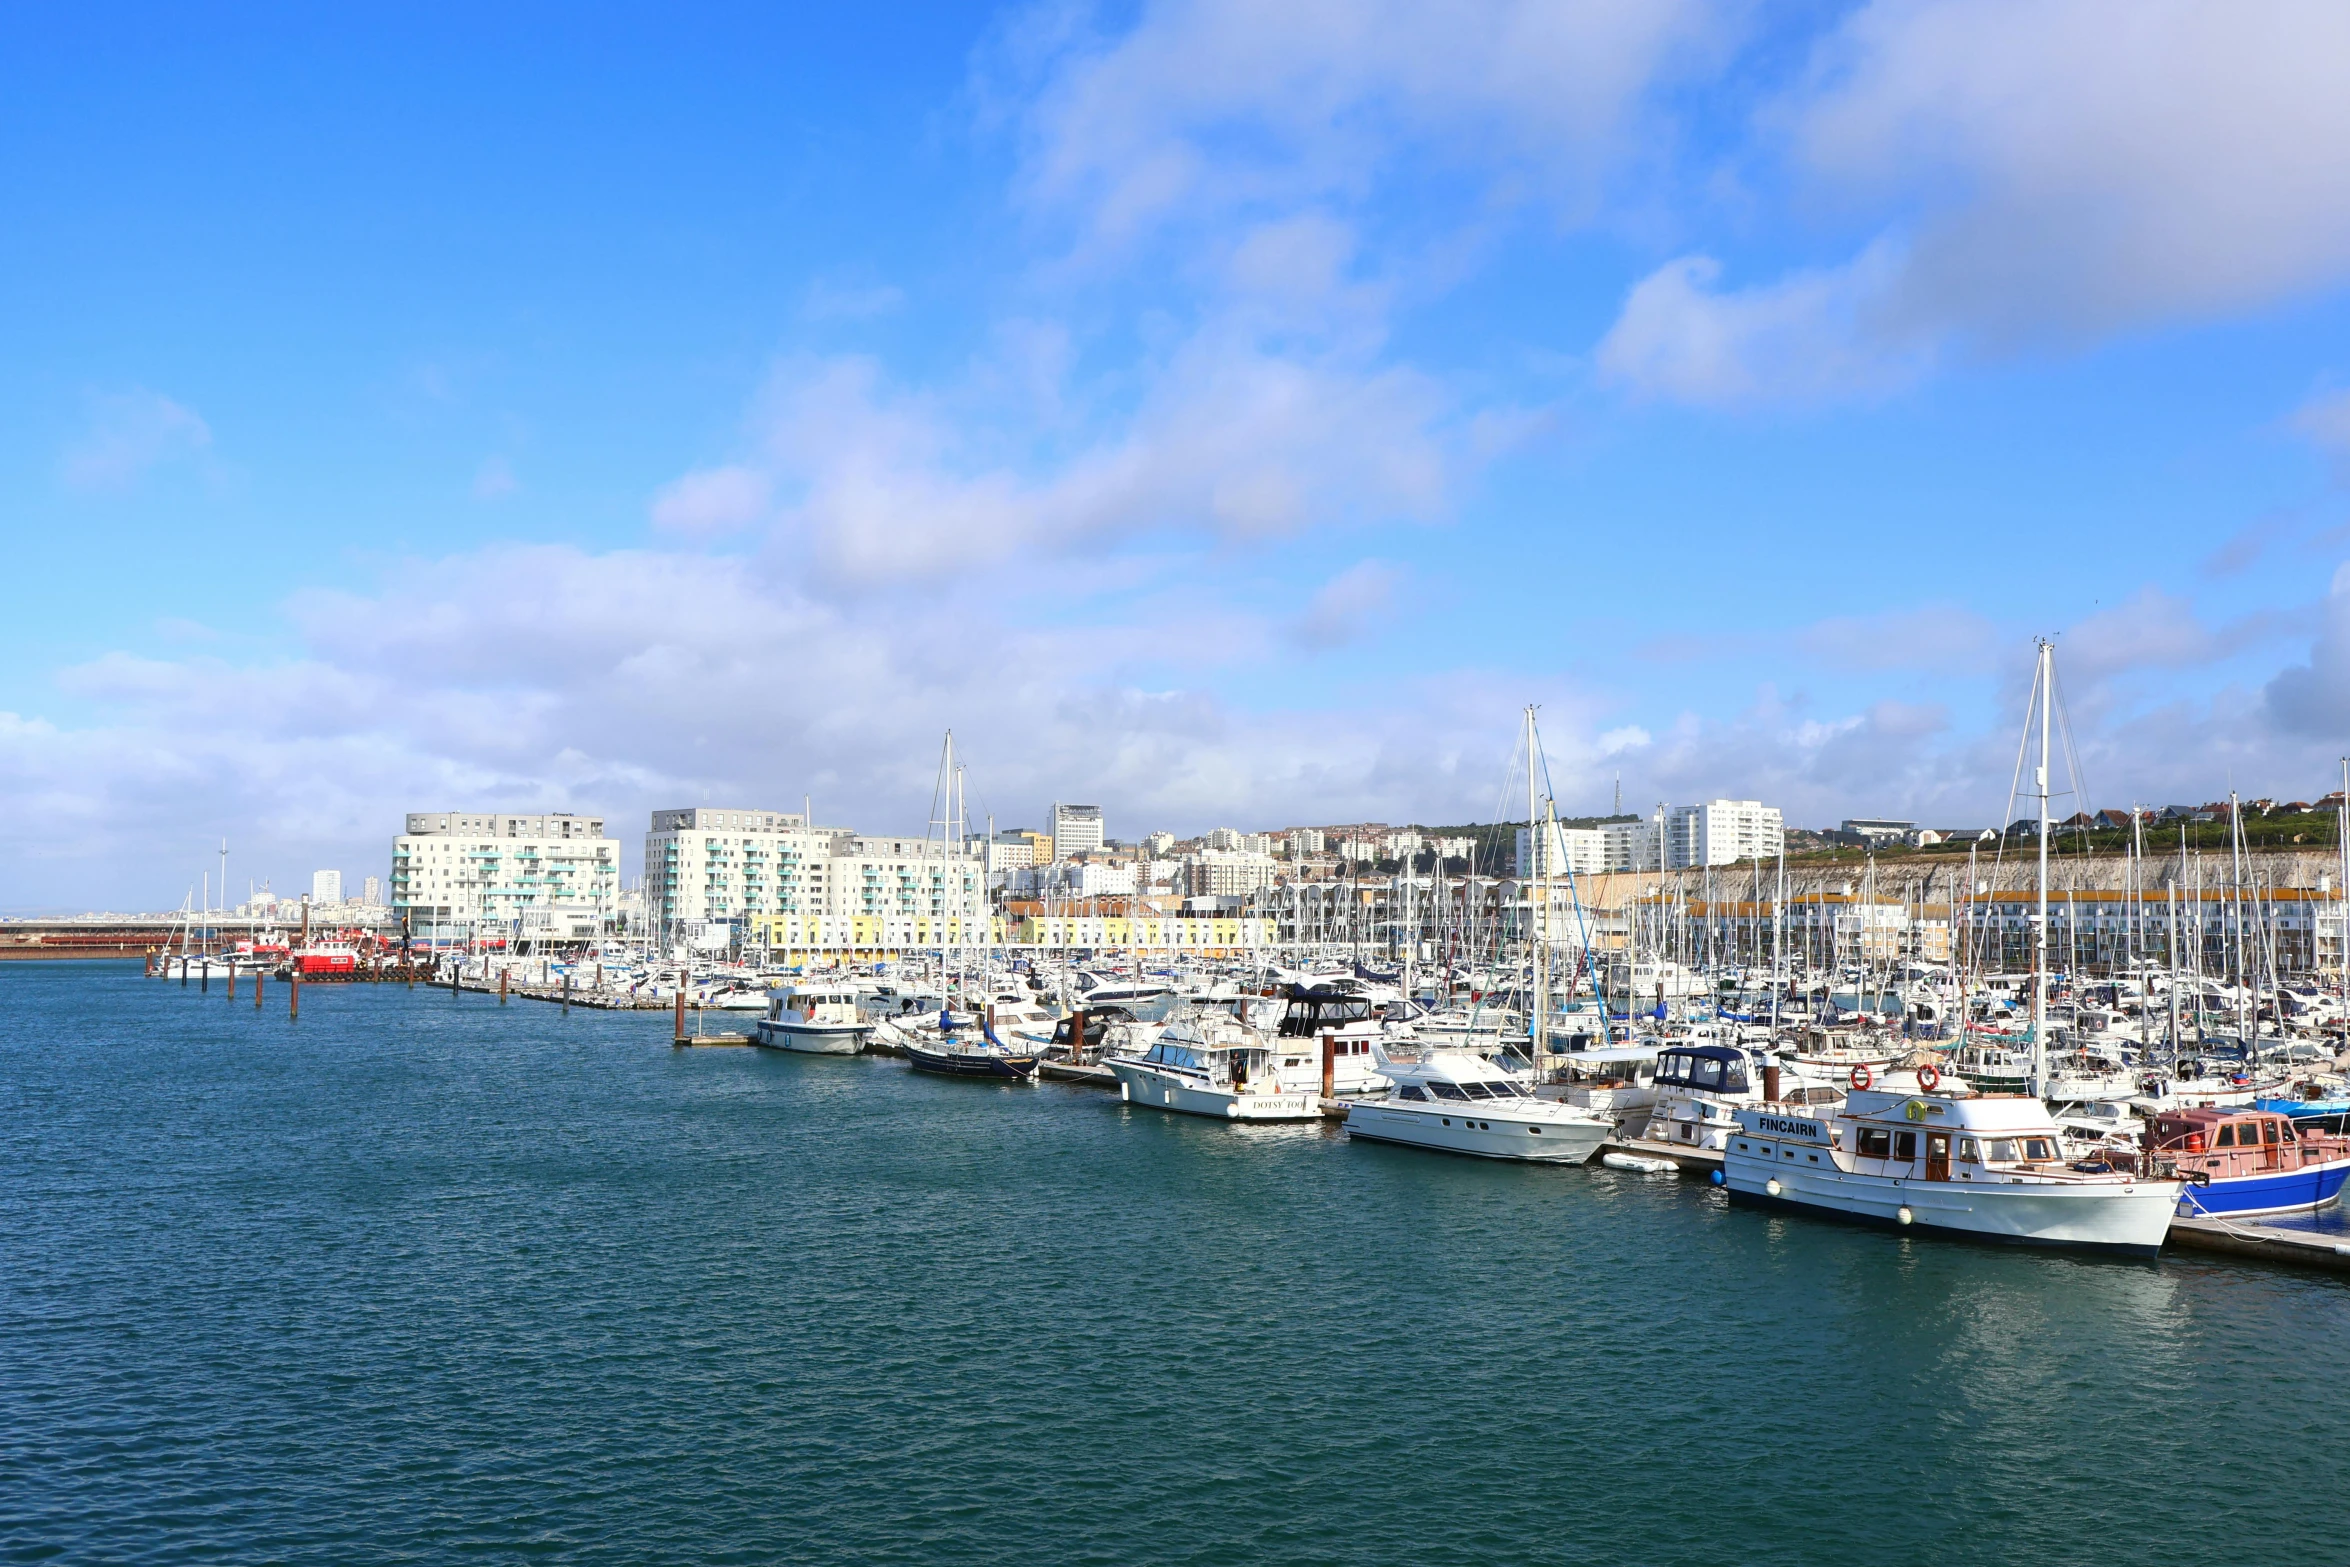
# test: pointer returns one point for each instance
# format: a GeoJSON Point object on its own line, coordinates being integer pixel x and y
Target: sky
{"type": "Point", "coordinates": [1229, 414]}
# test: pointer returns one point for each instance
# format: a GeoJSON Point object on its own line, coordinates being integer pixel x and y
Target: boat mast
{"type": "Point", "coordinates": [2041, 683]}
{"type": "Point", "coordinates": [1539, 858]}
{"type": "Point", "coordinates": [2342, 943]}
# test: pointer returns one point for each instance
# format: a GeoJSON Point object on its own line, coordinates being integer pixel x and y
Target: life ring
{"type": "Point", "coordinates": [1859, 1077]}
{"type": "Point", "coordinates": [1929, 1078]}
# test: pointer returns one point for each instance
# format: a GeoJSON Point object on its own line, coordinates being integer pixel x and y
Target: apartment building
{"type": "Point", "coordinates": [460, 875]}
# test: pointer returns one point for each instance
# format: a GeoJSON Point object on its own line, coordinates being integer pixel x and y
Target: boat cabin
{"type": "Point", "coordinates": [830, 1004]}
{"type": "Point", "coordinates": [2229, 1143]}
{"type": "Point", "coordinates": [1317, 1010]}
{"type": "Point", "coordinates": [1218, 1066]}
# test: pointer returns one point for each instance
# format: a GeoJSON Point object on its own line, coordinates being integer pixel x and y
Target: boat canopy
{"type": "Point", "coordinates": [1717, 1068]}
{"type": "Point", "coordinates": [1311, 1010]}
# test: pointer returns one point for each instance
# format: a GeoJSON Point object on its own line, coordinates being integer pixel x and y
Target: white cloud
{"type": "Point", "coordinates": [1203, 106]}
{"type": "Point", "coordinates": [2314, 698]}
{"type": "Point", "coordinates": [2069, 167]}
{"type": "Point", "coordinates": [711, 501]}
{"type": "Point", "coordinates": [2324, 421]}
{"type": "Point", "coordinates": [1802, 338]}
{"type": "Point", "coordinates": [1347, 608]}
{"type": "Point", "coordinates": [129, 434]}
{"type": "Point", "coordinates": [1227, 441]}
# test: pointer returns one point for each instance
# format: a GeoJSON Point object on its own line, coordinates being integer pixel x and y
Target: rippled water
{"type": "Point", "coordinates": [418, 1278]}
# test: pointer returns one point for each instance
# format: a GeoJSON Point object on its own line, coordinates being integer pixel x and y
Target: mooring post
{"type": "Point", "coordinates": [294, 991]}
{"type": "Point", "coordinates": [1329, 1065]}
{"type": "Point", "coordinates": [232, 979]}
{"type": "Point", "coordinates": [680, 1039]}
{"type": "Point", "coordinates": [183, 973]}
{"type": "Point", "coordinates": [204, 980]}
{"type": "Point", "coordinates": [567, 990]}
{"type": "Point", "coordinates": [502, 986]}
{"type": "Point", "coordinates": [258, 976]}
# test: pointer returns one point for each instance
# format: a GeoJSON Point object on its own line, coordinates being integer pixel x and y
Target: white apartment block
{"type": "Point", "coordinates": [549, 877]}
{"type": "Point", "coordinates": [1155, 845]}
{"type": "Point", "coordinates": [326, 886]}
{"type": "Point", "coordinates": [1226, 873]}
{"type": "Point", "coordinates": [1578, 851]}
{"type": "Point", "coordinates": [1721, 832]}
{"type": "Point", "coordinates": [1304, 840]}
{"type": "Point", "coordinates": [372, 892]}
{"type": "Point", "coordinates": [1074, 879]}
{"type": "Point", "coordinates": [1630, 846]}
{"type": "Point", "coordinates": [707, 864]}
{"type": "Point", "coordinates": [1077, 829]}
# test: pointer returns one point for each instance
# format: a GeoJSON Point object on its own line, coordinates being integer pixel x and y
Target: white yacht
{"type": "Point", "coordinates": [1211, 1065]}
{"type": "Point", "coordinates": [822, 1021]}
{"type": "Point", "coordinates": [1456, 1101]}
{"type": "Point", "coordinates": [1357, 1034]}
{"type": "Point", "coordinates": [1988, 1166]}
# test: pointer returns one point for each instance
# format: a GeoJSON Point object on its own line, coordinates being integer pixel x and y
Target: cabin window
{"type": "Point", "coordinates": [1969, 1151]}
{"type": "Point", "coordinates": [2227, 1138]}
{"type": "Point", "coordinates": [2001, 1149]}
{"type": "Point", "coordinates": [2038, 1148]}
{"type": "Point", "coordinates": [1411, 1091]}
{"type": "Point", "coordinates": [1446, 1091]}
{"type": "Point", "coordinates": [1905, 1145]}
{"type": "Point", "coordinates": [1876, 1143]}
{"type": "Point", "coordinates": [2269, 1130]}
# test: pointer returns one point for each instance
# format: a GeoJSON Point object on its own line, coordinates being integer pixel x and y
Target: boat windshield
{"type": "Point", "coordinates": [1447, 1090]}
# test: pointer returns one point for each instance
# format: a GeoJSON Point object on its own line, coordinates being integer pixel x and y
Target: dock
{"type": "Point", "coordinates": [2261, 1243]}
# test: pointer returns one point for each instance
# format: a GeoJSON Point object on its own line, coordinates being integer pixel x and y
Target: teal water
{"type": "Point", "coordinates": [421, 1279]}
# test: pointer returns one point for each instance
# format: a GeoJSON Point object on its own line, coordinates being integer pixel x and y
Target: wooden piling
{"type": "Point", "coordinates": [294, 991]}
{"type": "Point", "coordinates": [501, 986]}
{"type": "Point", "coordinates": [232, 979]}
{"type": "Point", "coordinates": [1329, 1065]}
{"type": "Point", "coordinates": [183, 973]}
{"type": "Point", "coordinates": [680, 1035]}
{"type": "Point", "coordinates": [258, 976]}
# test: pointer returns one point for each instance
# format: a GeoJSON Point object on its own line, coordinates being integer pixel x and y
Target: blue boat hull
{"type": "Point", "coordinates": [2271, 1191]}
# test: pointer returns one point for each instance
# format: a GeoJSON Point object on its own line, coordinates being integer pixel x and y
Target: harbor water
{"type": "Point", "coordinates": [418, 1278]}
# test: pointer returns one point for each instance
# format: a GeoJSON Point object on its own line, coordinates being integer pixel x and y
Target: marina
{"type": "Point", "coordinates": [557, 1218]}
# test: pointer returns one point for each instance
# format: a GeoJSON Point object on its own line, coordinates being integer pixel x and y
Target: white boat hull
{"type": "Point", "coordinates": [2107, 1216]}
{"type": "Point", "coordinates": [1494, 1132]}
{"type": "Point", "coordinates": [812, 1039]}
{"type": "Point", "coordinates": [1139, 1084]}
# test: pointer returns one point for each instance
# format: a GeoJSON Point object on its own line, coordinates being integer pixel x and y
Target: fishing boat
{"type": "Point", "coordinates": [1945, 1160]}
{"type": "Point", "coordinates": [822, 1021]}
{"type": "Point", "coordinates": [1214, 1066]}
{"type": "Point", "coordinates": [1456, 1101]}
{"type": "Point", "coordinates": [2244, 1162]}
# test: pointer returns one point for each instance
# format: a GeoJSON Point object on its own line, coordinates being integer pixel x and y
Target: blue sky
{"type": "Point", "coordinates": [1230, 413]}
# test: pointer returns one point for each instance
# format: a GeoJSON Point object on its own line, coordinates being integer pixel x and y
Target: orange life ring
{"type": "Point", "coordinates": [1859, 1077]}
{"type": "Point", "coordinates": [1929, 1077]}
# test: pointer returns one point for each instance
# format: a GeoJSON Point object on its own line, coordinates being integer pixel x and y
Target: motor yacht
{"type": "Point", "coordinates": [1456, 1101]}
{"type": "Point", "coordinates": [817, 1021]}
{"type": "Point", "coordinates": [1211, 1065]}
{"type": "Point", "coordinates": [1943, 1159]}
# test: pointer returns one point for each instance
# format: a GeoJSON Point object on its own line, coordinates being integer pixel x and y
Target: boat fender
{"type": "Point", "coordinates": [1929, 1078]}
{"type": "Point", "coordinates": [1716, 1177]}
{"type": "Point", "coordinates": [1904, 1215]}
{"type": "Point", "coordinates": [1859, 1077]}
{"type": "Point", "coordinates": [1772, 1186]}
{"type": "Point", "coordinates": [2194, 1142]}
